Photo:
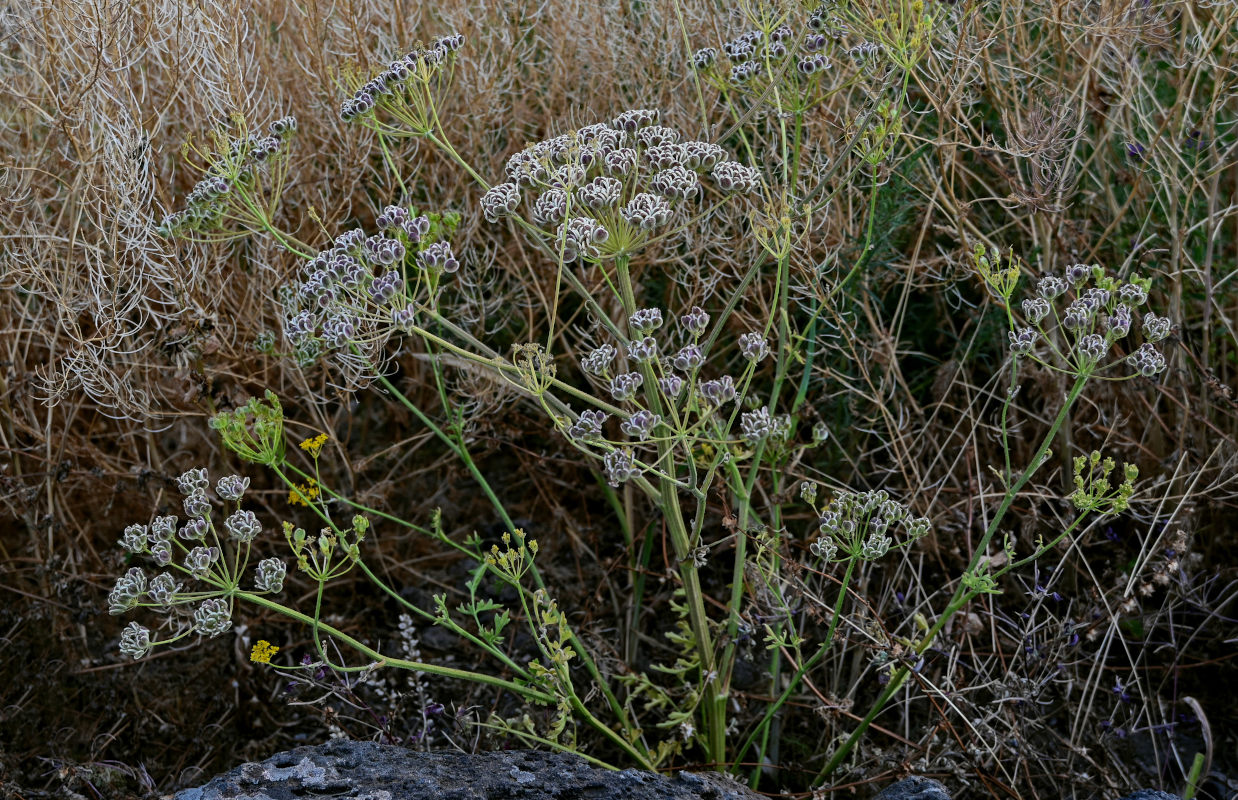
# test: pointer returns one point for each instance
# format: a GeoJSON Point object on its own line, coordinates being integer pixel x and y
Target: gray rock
{"type": "Point", "coordinates": [369, 771]}
{"type": "Point", "coordinates": [915, 788]}
{"type": "Point", "coordinates": [1150, 794]}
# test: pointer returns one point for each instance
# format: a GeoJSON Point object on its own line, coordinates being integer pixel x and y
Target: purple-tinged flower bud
{"type": "Point", "coordinates": [665, 156]}
{"type": "Point", "coordinates": [1147, 360]}
{"type": "Point", "coordinates": [645, 320]}
{"type": "Point", "coordinates": [1035, 309]}
{"type": "Point", "coordinates": [1132, 294]}
{"type": "Point", "coordinates": [161, 553]}
{"type": "Point", "coordinates": [688, 358]}
{"type": "Point", "coordinates": [621, 161]}
{"type": "Point", "coordinates": [1077, 273]}
{"type": "Point", "coordinates": [733, 177]}
{"type": "Point", "coordinates": [580, 237]}
{"type": "Point", "coordinates": [1078, 316]}
{"type": "Point", "coordinates": [630, 121]}
{"type": "Point", "coordinates": [813, 42]}
{"type": "Point", "coordinates": [439, 256]}
{"type": "Point", "coordinates": [212, 618]}
{"type": "Point", "coordinates": [717, 393]}
{"type": "Point", "coordinates": [385, 287]}
{"type": "Point", "coordinates": [1051, 287]}
{"type": "Point", "coordinates": [623, 386]}
{"type": "Point", "coordinates": [163, 589]}
{"type": "Point", "coordinates": [695, 321]}
{"type": "Point", "coordinates": [643, 350]}
{"type": "Point", "coordinates": [1022, 341]}
{"type": "Point", "coordinates": [1092, 348]}
{"type": "Point", "coordinates": [197, 505]}
{"type": "Point", "coordinates": [1155, 328]}
{"type": "Point", "coordinates": [753, 346]}
{"type": "Point", "coordinates": [619, 467]}
{"type": "Point", "coordinates": [656, 135]}
{"type": "Point", "coordinates": [403, 318]}
{"type": "Point", "coordinates": [193, 481]}
{"type": "Point", "coordinates": [671, 385]}
{"type": "Point", "coordinates": [339, 329]}
{"type": "Point", "coordinates": [744, 71]}
{"type": "Point", "coordinates": [416, 228]}
{"type": "Point", "coordinates": [647, 211]}
{"type": "Point", "coordinates": [194, 529]}
{"type": "Point", "coordinates": [499, 202]}
{"type": "Point", "coordinates": [134, 539]}
{"type": "Point", "coordinates": [600, 193]}
{"type": "Point", "coordinates": [135, 641]}
{"type": "Point", "coordinates": [598, 361]}
{"type": "Point", "coordinates": [243, 526]}
{"type": "Point", "coordinates": [641, 424]}
{"type": "Point", "coordinates": [270, 578]}
{"type": "Point", "coordinates": [676, 183]}
{"type": "Point", "coordinates": [756, 425]}
{"type": "Point", "coordinates": [1119, 322]}
{"type": "Point", "coordinates": [198, 561]}
{"type": "Point", "coordinates": [231, 488]}
{"type": "Point", "coordinates": [701, 155]}
{"type": "Point", "coordinates": [588, 427]}
{"type": "Point", "coordinates": [704, 58]}
{"type": "Point", "coordinates": [550, 208]}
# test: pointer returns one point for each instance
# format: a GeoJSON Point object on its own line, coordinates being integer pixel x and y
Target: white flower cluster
{"type": "Point", "coordinates": [198, 560]}
{"type": "Point", "coordinates": [864, 526]}
{"type": "Point", "coordinates": [607, 187]}
{"type": "Point", "coordinates": [1095, 314]}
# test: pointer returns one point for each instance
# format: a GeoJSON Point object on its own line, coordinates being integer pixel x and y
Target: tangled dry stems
{"type": "Point", "coordinates": [1076, 132]}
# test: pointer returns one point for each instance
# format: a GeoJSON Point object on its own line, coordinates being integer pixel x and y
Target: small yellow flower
{"type": "Point", "coordinates": [262, 652]}
{"type": "Point", "coordinates": [304, 493]}
{"type": "Point", "coordinates": [313, 445]}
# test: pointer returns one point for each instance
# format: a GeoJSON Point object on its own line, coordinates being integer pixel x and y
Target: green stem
{"type": "Point", "coordinates": [803, 669]}
{"type": "Point", "coordinates": [526, 692]}
{"type": "Point", "coordinates": [961, 594]}
{"type": "Point", "coordinates": [681, 542]}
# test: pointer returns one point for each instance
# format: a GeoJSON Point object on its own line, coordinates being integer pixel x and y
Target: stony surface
{"type": "Point", "coordinates": [369, 771]}
{"type": "Point", "coordinates": [914, 789]}
{"type": "Point", "coordinates": [345, 770]}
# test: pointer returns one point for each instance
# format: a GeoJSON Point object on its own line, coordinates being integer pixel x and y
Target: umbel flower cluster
{"type": "Point", "coordinates": [680, 399]}
{"type": "Point", "coordinates": [243, 173]}
{"type": "Point", "coordinates": [406, 91]}
{"type": "Point", "coordinates": [194, 552]}
{"type": "Point", "coordinates": [356, 292]}
{"type": "Point", "coordinates": [607, 188]}
{"type": "Point", "coordinates": [862, 526]}
{"type": "Point", "coordinates": [754, 54]}
{"type": "Point", "coordinates": [1081, 322]}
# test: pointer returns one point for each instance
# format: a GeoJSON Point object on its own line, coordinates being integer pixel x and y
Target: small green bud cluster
{"type": "Point", "coordinates": [1093, 491]}
{"type": "Point", "coordinates": [240, 169]}
{"type": "Point", "coordinates": [195, 551]}
{"type": "Point", "coordinates": [331, 554]}
{"type": "Point", "coordinates": [863, 526]}
{"type": "Point", "coordinates": [607, 188]}
{"type": "Point", "coordinates": [254, 431]}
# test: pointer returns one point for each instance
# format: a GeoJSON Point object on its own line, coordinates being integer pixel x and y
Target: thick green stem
{"type": "Point", "coordinates": [681, 542]}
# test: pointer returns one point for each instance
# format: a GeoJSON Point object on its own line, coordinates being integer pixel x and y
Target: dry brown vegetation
{"type": "Point", "coordinates": [1094, 131]}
